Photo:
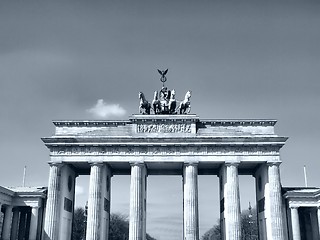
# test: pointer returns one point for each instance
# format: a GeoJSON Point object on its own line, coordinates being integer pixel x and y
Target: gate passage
{"type": "Point", "coordinates": [162, 144]}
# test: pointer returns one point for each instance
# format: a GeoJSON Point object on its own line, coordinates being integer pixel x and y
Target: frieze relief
{"type": "Point", "coordinates": [164, 150]}
{"type": "Point", "coordinates": [164, 128]}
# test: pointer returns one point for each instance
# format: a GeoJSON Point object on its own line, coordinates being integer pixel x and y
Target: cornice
{"type": "Point", "coordinates": [165, 118]}
{"type": "Point", "coordinates": [239, 122]}
{"type": "Point", "coordinates": [89, 123]}
{"type": "Point", "coordinates": [296, 194]}
{"type": "Point", "coordinates": [223, 141]}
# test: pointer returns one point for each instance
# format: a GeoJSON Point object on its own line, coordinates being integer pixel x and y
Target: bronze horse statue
{"type": "Point", "coordinates": [144, 106]}
{"type": "Point", "coordinates": [184, 107]}
{"type": "Point", "coordinates": [156, 104]}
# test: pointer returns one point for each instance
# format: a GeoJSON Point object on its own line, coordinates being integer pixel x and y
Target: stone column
{"type": "Point", "coordinates": [190, 202]}
{"type": "Point", "coordinates": [34, 223]}
{"type": "Point", "coordinates": [0, 212]}
{"type": "Point", "coordinates": [51, 224]}
{"type": "Point", "coordinates": [295, 223]}
{"type": "Point", "coordinates": [22, 224]}
{"type": "Point", "coordinates": [6, 229]}
{"type": "Point", "coordinates": [232, 210]}
{"type": "Point", "coordinates": [318, 213]}
{"type": "Point", "coordinates": [137, 223]}
{"type": "Point", "coordinates": [94, 202]}
{"type": "Point", "coordinates": [275, 200]}
{"type": "Point", "coordinates": [28, 221]}
{"type": "Point", "coordinates": [15, 223]}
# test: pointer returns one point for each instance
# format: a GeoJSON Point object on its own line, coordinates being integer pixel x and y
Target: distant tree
{"type": "Point", "coordinates": [213, 233]}
{"type": "Point", "coordinates": [249, 224]}
{"type": "Point", "coordinates": [119, 226]}
{"type": "Point", "coordinates": [79, 224]}
{"type": "Point", "coordinates": [249, 227]}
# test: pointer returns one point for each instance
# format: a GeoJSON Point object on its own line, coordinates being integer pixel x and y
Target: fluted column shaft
{"type": "Point", "coordinates": [190, 202]}
{"type": "Point", "coordinates": [94, 203]}
{"type": "Point", "coordinates": [33, 223]}
{"type": "Point", "coordinates": [137, 223]}
{"type": "Point", "coordinates": [232, 203]}
{"type": "Point", "coordinates": [7, 223]}
{"type": "Point", "coordinates": [295, 223]}
{"type": "Point", "coordinates": [15, 223]}
{"type": "Point", "coordinates": [318, 213]}
{"type": "Point", "coordinates": [51, 225]}
{"type": "Point", "coordinates": [275, 198]}
{"type": "Point", "coordinates": [22, 225]}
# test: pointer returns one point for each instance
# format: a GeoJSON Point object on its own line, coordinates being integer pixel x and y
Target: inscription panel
{"type": "Point", "coordinates": [164, 128]}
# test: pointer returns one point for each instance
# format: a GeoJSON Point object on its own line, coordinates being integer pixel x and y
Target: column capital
{"type": "Point", "coordinates": [137, 163]}
{"type": "Point", "coordinates": [190, 163]}
{"type": "Point", "coordinates": [15, 209]}
{"type": "Point", "coordinates": [96, 163]}
{"type": "Point", "coordinates": [56, 164]}
{"type": "Point", "coordinates": [276, 163]}
{"type": "Point", "coordinates": [293, 207]}
{"type": "Point", "coordinates": [236, 164]}
{"type": "Point", "coordinates": [9, 207]}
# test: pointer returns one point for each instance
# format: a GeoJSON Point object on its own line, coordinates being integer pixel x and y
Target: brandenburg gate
{"type": "Point", "coordinates": [168, 142]}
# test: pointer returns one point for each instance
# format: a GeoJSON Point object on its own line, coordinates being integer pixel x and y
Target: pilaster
{"type": "Point", "coordinates": [137, 222]}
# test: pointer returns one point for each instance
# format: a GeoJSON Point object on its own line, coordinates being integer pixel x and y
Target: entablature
{"type": "Point", "coordinates": [165, 126]}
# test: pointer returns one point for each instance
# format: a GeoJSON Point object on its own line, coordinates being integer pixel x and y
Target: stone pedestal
{"type": "Point", "coordinates": [275, 223]}
{"type": "Point", "coordinates": [51, 224]}
{"type": "Point", "coordinates": [137, 223]}
{"type": "Point", "coordinates": [94, 202]}
{"type": "Point", "coordinates": [6, 229]}
{"type": "Point", "coordinates": [34, 223]}
{"type": "Point", "coordinates": [295, 223]}
{"type": "Point", "coordinates": [190, 202]}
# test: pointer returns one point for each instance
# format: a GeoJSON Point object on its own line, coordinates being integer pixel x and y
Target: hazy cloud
{"type": "Point", "coordinates": [106, 110]}
{"type": "Point", "coordinates": [79, 190]}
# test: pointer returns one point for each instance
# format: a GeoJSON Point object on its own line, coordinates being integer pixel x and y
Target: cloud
{"type": "Point", "coordinates": [105, 110]}
{"type": "Point", "coordinates": [79, 190]}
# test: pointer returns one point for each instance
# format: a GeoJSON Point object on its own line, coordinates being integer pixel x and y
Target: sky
{"type": "Point", "coordinates": [76, 60]}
